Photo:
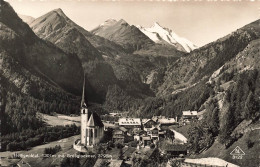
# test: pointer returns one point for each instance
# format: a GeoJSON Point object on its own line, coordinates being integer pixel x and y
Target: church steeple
{"type": "Point", "coordinates": [83, 102]}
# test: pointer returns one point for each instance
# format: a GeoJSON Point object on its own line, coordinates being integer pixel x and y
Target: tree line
{"type": "Point", "coordinates": [29, 138]}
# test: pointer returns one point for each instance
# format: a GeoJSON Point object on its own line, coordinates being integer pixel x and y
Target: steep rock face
{"type": "Point", "coordinates": [193, 80]}
{"type": "Point", "coordinates": [57, 28]}
{"type": "Point", "coordinates": [232, 111]}
{"type": "Point", "coordinates": [163, 35]}
{"type": "Point", "coordinates": [128, 36]}
{"type": "Point", "coordinates": [147, 56]}
{"type": "Point", "coordinates": [35, 76]}
{"type": "Point", "coordinates": [36, 55]}
{"type": "Point", "coordinates": [202, 62]}
{"type": "Point", "coordinates": [103, 26]}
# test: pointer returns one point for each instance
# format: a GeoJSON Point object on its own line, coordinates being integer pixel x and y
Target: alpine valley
{"type": "Point", "coordinates": [135, 70]}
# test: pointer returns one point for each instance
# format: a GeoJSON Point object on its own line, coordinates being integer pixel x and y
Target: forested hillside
{"type": "Point", "coordinates": [130, 73]}
{"type": "Point", "coordinates": [25, 87]}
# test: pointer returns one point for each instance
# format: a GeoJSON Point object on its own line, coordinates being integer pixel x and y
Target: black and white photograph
{"type": "Point", "coordinates": [130, 83]}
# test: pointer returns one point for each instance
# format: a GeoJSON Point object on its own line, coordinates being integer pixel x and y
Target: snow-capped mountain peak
{"type": "Point", "coordinates": [156, 24]}
{"type": "Point", "coordinates": [159, 34]}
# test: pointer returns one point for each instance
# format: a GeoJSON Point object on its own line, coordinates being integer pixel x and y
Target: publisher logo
{"type": "Point", "coordinates": [237, 153]}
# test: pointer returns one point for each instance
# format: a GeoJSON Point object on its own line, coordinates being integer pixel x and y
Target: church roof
{"type": "Point", "coordinates": [94, 120]}
{"type": "Point", "coordinates": [91, 121]}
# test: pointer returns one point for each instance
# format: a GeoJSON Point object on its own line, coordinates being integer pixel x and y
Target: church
{"type": "Point", "coordinates": [92, 128]}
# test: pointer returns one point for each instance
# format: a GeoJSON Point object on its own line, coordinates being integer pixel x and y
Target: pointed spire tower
{"type": "Point", "coordinates": [83, 101]}
{"type": "Point", "coordinates": [84, 116]}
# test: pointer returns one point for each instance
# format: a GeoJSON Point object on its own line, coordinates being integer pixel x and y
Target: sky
{"type": "Point", "coordinates": [199, 21]}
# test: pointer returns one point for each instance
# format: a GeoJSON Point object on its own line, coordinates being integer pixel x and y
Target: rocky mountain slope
{"type": "Point", "coordinates": [104, 68]}
{"type": "Point", "coordinates": [57, 28]}
{"type": "Point", "coordinates": [35, 76]}
{"type": "Point", "coordinates": [221, 81]}
{"type": "Point", "coordinates": [128, 36]}
{"type": "Point", "coordinates": [232, 112]}
{"type": "Point", "coordinates": [37, 55]}
{"type": "Point", "coordinates": [50, 26]}
{"type": "Point", "coordinates": [185, 82]}
{"type": "Point", "coordinates": [26, 19]}
{"type": "Point", "coordinates": [162, 35]}
{"type": "Point", "coordinates": [204, 61]}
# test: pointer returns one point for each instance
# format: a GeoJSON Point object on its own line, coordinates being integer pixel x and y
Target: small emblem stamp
{"type": "Point", "coordinates": [237, 153]}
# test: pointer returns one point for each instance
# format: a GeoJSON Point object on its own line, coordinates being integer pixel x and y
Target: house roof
{"type": "Point", "coordinates": [155, 129]}
{"type": "Point", "coordinates": [123, 129]}
{"type": "Point", "coordinates": [156, 118]}
{"type": "Point", "coordinates": [118, 132]}
{"type": "Point", "coordinates": [110, 163]}
{"type": "Point", "coordinates": [166, 120]}
{"type": "Point", "coordinates": [144, 120]}
{"type": "Point", "coordinates": [118, 136]}
{"type": "Point", "coordinates": [140, 132]}
{"type": "Point", "coordinates": [129, 121]}
{"type": "Point", "coordinates": [179, 147]}
{"type": "Point", "coordinates": [115, 163]}
{"type": "Point", "coordinates": [148, 120]}
{"type": "Point", "coordinates": [189, 113]}
{"type": "Point", "coordinates": [146, 138]}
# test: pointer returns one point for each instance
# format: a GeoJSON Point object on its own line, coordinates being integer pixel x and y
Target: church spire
{"type": "Point", "coordinates": [83, 102]}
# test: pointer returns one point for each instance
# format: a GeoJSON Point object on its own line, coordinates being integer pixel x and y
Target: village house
{"type": "Point", "coordinates": [187, 116]}
{"type": "Point", "coordinates": [165, 122]}
{"type": "Point", "coordinates": [119, 135]}
{"type": "Point", "coordinates": [130, 123]}
{"type": "Point", "coordinates": [154, 134]}
{"type": "Point", "coordinates": [145, 141]}
{"type": "Point", "coordinates": [138, 135]}
{"type": "Point", "coordinates": [161, 133]}
{"type": "Point", "coordinates": [149, 124]}
{"type": "Point", "coordinates": [175, 150]}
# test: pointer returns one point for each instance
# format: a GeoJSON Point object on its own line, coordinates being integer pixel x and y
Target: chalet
{"type": "Point", "coordinates": [154, 134]}
{"type": "Point", "coordinates": [161, 133]}
{"type": "Point", "coordinates": [156, 118]}
{"type": "Point", "coordinates": [149, 124]}
{"type": "Point", "coordinates": [176, 150]}
{"type": "Point", "coordinates": [120, 135]}
{"type": "Point", "coordinates": [130, 123]}
{"type": "Point", "coordinates": [187, 116]}
{"type": "Point", "coordinates": [146, 141]}
{"type": "Point", "coordinates": [166, 121]}
{"type": "Point", "coordinates": [138, 135]}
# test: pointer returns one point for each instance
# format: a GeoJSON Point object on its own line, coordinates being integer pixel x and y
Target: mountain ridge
{"type": "Point", "coordinates": [101, 73]}
{"type": "Point", "coordinates": [163, 35]}
{"type": "Point", "coordinates": [36, 54]}
{"type": "Point", "coordinates": [57, 28]}
{"type": "Point", "coordinates": [128, 36]}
